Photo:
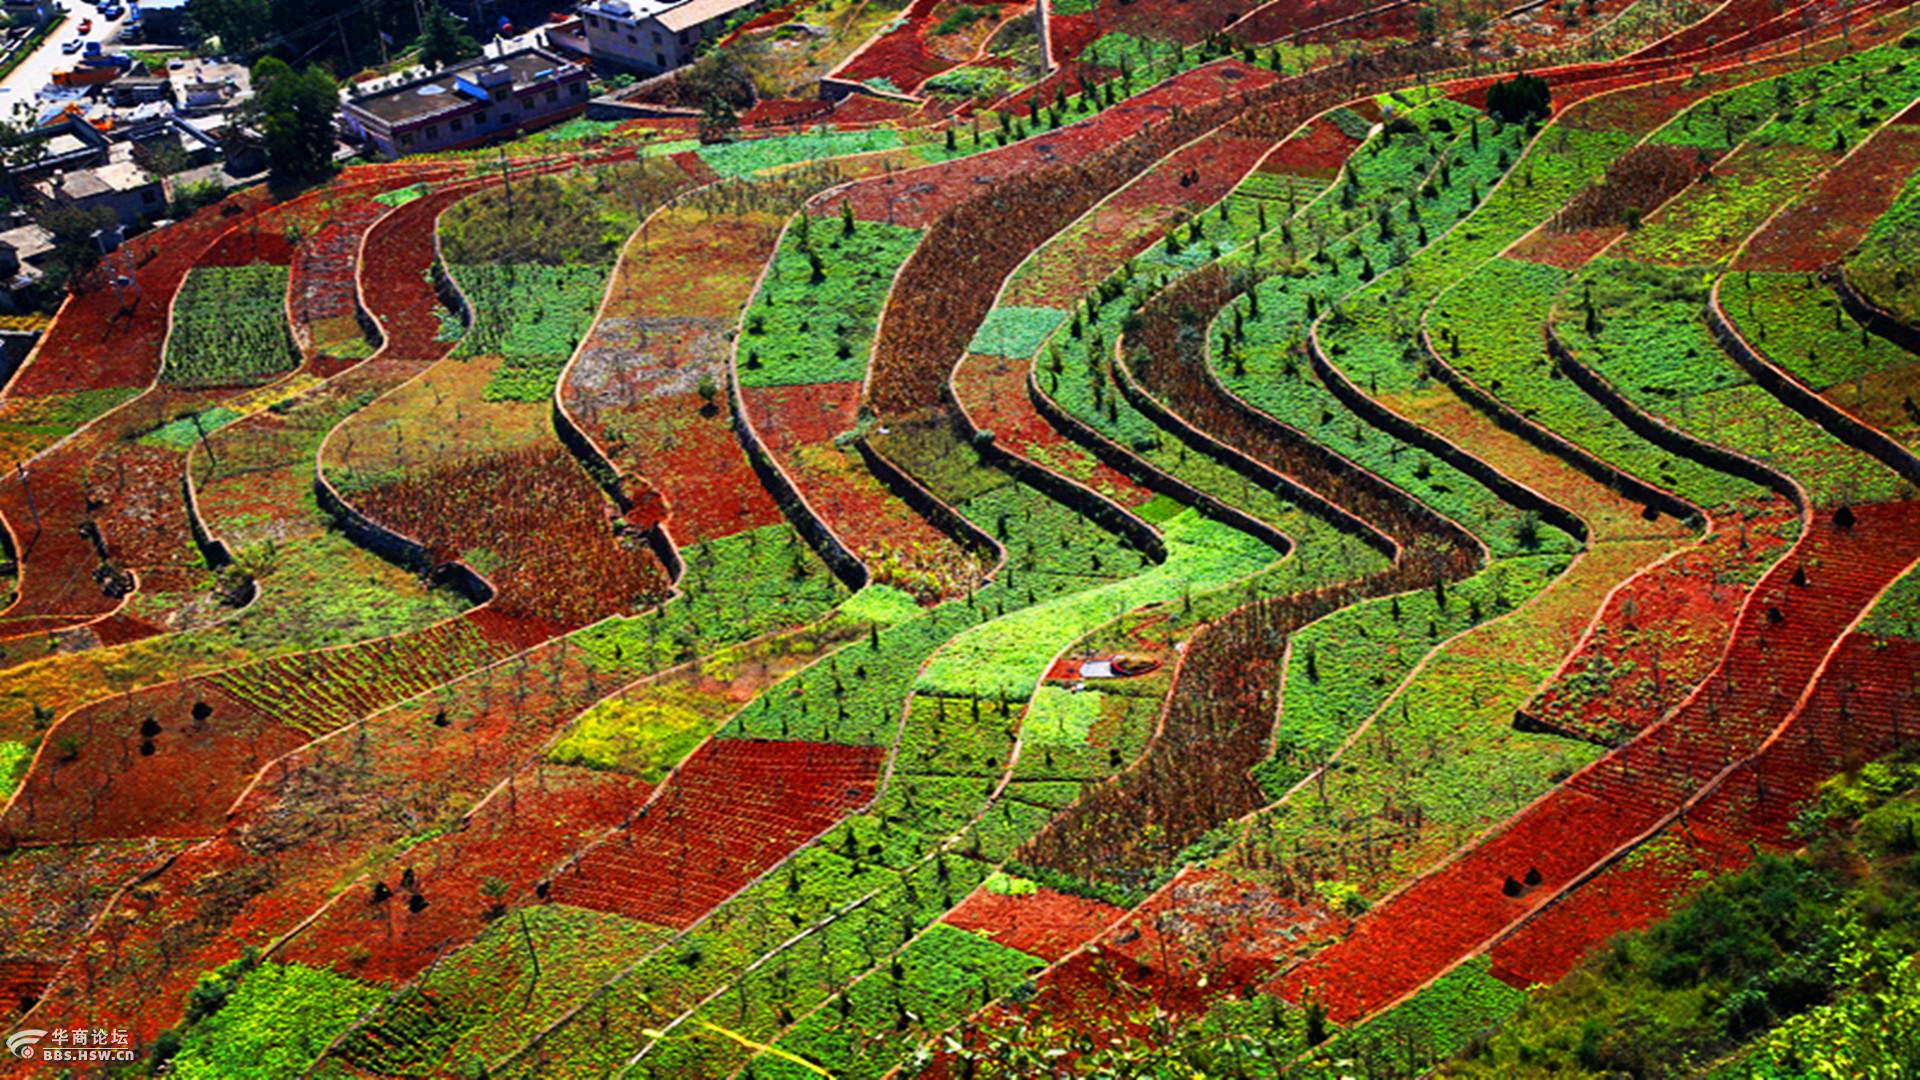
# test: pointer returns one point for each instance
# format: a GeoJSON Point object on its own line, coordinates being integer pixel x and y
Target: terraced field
{"type": "Point", "coordinates": [1125, 538]}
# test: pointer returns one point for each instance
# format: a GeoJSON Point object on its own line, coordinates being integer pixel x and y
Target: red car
{"type": "Point", "coordinates": [86, 26]}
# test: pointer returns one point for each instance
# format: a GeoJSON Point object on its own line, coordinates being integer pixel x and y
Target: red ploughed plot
{"type": "Point", "coordinates": [1042, 923]}
{"type": "Point", "coordinates": [1820, 227]}
{"type": "Point", "coordinates": [734, 810]}
{"type": "Point", "coordinates": [1658, 634]}
{"type": "Point", "coordinates": [560, 563]}
{"type": "Point", "coordinates": [1317, 152]}
{"type": "Point", "coordinates": [165, 761]}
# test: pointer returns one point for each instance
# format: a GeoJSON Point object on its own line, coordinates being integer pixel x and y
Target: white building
{"type": "Point", "coordinates": [489, 97]}
{"type": "Point", "coordinates": [652, 36]}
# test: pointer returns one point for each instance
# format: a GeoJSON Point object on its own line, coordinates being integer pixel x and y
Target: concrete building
{"type": "Point", "coordinates": [653, 36]}
{"type": "Point", "coordinates": [22, 249]}
{"type": "Point", "coordinates": [121, 185]}
{"type": "Point", "coordinates": [468, 104]}
{"type": "Point", "coordinates": [68, 143]}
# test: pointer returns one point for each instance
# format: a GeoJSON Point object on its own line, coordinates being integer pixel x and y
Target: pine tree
{"type": "Point", "coordinates": [444, 39]}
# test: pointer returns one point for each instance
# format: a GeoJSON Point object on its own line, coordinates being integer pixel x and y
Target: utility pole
{"type": "Point", "coordinates": [506, 176]}
{"type": "Point", "coordinates": [341, 26]}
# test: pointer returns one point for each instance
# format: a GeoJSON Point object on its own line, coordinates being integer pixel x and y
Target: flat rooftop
{"type": "Point", "coordinates": [440, 94]}
{"type": "Point", "coordinates": [675, 15]}
{"type": "Point", "coordinates": [100, 180]}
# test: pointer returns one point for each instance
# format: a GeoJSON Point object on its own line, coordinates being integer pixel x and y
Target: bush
{"type": "Point", "coordinates": [188, 198]}
{"type": "Point", "coordinates": [1520, 99]}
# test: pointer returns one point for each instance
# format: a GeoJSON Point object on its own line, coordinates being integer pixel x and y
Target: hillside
{"type": "Point", "coordinates": [1127, 538]}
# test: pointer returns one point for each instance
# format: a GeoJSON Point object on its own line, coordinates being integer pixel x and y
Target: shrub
{"type": "Point", "coordinates": [1520, 99]}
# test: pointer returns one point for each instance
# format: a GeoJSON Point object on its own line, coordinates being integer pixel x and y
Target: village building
{"type": "Point", "coordinates": [469, 104]}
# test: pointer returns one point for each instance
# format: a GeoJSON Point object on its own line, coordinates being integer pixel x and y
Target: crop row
{"type": "Point", "coordinates": [230, 326]}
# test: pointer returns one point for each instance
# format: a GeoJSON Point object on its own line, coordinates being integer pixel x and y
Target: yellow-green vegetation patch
{"type": "Point", "coordinates": [1001, 883]}
{"type": "Point", "coordinates": [575, 130]}
{"type": "Point", "coordinates": [1005, 658]}
{"type": "Point", "coordinates": [1119, 49]}
{"type": "Point", "coordinates": [14, 757]}
{"type": "Point", "coordinates": [1159, 509]}
{"type": "Point", "coordinates": [970, 81]}
{"type": "Point", "coordinates": [266, 1020]}
{"type": "Point", "coordinates": [1061, 717]}
{"type": "Point", "coordinates": [882, 604]}
{"type": "Point", "coordinates": [753, 155]}
{"type": "Point", "coordinates": [645, 735]}
{"type": "Point", "coordinates": [401, 196]}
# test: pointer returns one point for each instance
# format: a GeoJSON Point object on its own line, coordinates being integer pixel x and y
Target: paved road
{"type": "Point", "coordinates": [37, 70]}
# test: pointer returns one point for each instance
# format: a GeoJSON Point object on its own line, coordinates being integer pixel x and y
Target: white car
{"type": "Point", "coordinates": [72, 46]}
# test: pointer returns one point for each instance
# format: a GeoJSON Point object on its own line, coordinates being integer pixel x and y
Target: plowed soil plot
{"type": "Point", "coordinates": [166, 761]}
{"type": "Point", "coordinates": [737, 807]}
{"type": "Point", "coordinates": [1044, 923]}
{"type": "Point", "coordinates": [553, 555]}
{"type": "Point", "coordinates": [1317, 152]}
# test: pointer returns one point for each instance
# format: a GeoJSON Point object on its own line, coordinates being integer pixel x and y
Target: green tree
{"type": "Point", "coordinates": [240, 25]}
{"type": "Point", "coordinates": [718, 121]}
{"type": "Point", "coordinates": [76, 251]}
{"type": "Point", "coordinates": [296, 111]}
{"type": "Point", "coordinates": [20, 143]}
{"type": "Point", "coordinates": [444, 39]}
{"type": "Point", "coordinates": [1520, 99]}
